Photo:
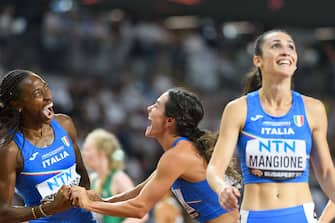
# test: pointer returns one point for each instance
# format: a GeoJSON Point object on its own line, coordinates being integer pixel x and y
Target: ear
{"type": "Point", "coordinates": [16, 105]}
{"type": "Point", "coordinates": [257, 61]}
{"type": "Point", "coordinates": [170, 122]}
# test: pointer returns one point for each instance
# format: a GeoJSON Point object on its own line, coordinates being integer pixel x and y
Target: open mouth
{"type": "Point", "coordinates": [48, 111]}
{"type": "Point", "coordinates": [284, 62]}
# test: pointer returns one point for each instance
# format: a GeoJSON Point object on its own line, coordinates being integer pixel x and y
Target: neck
{"type": "Point", "coordinates": [276, 94]}
{"type": "Point", "coordinates": [34, 131]}
{"type": "Point", "coordinates": [166, 141]}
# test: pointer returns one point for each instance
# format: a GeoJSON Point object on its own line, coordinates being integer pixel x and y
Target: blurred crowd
{"type": "Point", "coordinates": [105, 68]}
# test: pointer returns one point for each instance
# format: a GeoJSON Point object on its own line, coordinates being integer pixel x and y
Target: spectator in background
{"type": "Point", "coordinates": [103, 154]}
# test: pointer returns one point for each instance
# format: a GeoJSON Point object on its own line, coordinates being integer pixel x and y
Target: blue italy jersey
{"type": "Point", "coordinates": [45, 170]}
{"type": "Point", "coordinates": [275, 149]}
{"type": "Point", "coordinates": [197, 198]}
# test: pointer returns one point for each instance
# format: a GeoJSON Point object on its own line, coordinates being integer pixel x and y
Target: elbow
{"type": "Point", "coordinates": [141, 212]}
{"type": "Point", "coordinates": [209, 175]}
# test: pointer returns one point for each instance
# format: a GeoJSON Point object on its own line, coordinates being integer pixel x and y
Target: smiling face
{"type": "Point", "coordinates": [91, 156]}
{"type": "Point", "coordinates": [277, 55]}
{"type": "Point", "coordinates": [156, 113]}
{"type": "Point", "coordinates": [35, 100]}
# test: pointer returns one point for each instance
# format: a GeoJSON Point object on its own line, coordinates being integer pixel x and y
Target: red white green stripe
{"type": "Point", "coordinates": [41, 173]}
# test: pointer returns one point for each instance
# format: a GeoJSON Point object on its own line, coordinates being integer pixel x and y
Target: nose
{"type": "Point", "coordinates": [47, 95]}
{"type": "Point", "coordinates": [149, 108]}
{"type": "Point", "coordinates": [286, 52]}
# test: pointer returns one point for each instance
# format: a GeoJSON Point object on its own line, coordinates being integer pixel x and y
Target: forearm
{"type": "Point", "coordinates": [327, 182]}
{"type": "Point", "coordinates": [127, 209]}
{"type": "Point", "coordinates": [124, 196]}
{"type": "Point", "coordinates": [215, 181]}
{"type": "Point", "coordinates": [19, 214]}
{"type": "Point", "coordinates": [328, 213]}
{"type": "Point", "coordinates": [132, 193]}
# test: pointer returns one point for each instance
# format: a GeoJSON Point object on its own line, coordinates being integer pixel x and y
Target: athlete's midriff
{"type": "Point", "coordinates": [266, 196]}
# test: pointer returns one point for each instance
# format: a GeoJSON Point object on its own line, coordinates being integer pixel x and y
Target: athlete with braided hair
{"type": "Point", "coordinates": [39, 154]}
{"type": "Point", "coordinates": [182, 167]}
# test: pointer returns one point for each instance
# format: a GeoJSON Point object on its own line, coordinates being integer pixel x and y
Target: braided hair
{"type": "Point", "coordinates": [186, 108]}
{"type": "Point", "coordinates": [9, 116]}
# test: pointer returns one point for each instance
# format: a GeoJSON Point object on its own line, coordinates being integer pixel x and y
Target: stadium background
{"type": "Point", "coordinates": [106, 60]}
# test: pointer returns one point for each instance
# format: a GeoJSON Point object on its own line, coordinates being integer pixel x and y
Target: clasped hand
{"type": "Point", "coordinates": [76, 195]}
{"type": "Point", "coordinates": [228, 198]}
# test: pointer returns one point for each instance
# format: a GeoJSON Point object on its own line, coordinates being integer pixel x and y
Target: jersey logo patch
{"type": "Point", "coordinates": [256, 117]}
{"type": "Point", "coordinates": [298, 120]}
{"type": "Point", "coordinates": [65, 141]}
{"type": "Point", "coordinates": [33, 156]}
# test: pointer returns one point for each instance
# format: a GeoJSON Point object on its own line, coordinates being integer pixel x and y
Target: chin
{"type": "Point", "coordinates": [148, 132]}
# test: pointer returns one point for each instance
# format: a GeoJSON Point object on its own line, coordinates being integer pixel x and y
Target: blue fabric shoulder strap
{"type": "Point", "coordinates": [178, 140]}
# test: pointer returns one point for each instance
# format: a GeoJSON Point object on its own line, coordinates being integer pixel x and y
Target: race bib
{"type": "Point", "coordinates": [276, 158]}
{"type": "Point", "coordinates": [49, 187]}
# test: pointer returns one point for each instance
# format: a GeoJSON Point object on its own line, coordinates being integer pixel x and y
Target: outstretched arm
{"type": "Point", "coordinates": [231, 124]}
{"type": "Point", "coordinates": [131, 193]}
{"type": "Point", "coordinates": [156, 187]}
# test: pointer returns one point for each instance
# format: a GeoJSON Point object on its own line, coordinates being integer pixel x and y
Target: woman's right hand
{"type": "Point", "coordinates": [228, 198]}
{"type": "Point", "coordinates": [61, 202]}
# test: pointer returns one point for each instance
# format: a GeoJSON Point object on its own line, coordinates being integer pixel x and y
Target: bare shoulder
{"type": "Point", "coordinates": [66, 122]}
{"type": "Point", "coordinates": [235, 112]}
{"type": "Point", "coordinates": [313, 105]}
{"type": "Point", "coordinates": [238, 105]}
{"type": "Point", "coordinates": [10, 155]}
{"type": "Point", "coordinates": [316, 112]}
{"type": "Point", "coordinates": [10, 149]}
{"type": "Point", "coordinates": [180, 155]}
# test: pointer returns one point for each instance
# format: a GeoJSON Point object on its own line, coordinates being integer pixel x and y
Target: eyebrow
{"type": "Point", "coordinates": [277, 40]}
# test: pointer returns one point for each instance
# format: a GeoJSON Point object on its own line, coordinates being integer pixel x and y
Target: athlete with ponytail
{"type": "Point", "coordinates": [182, 167]}
{"type": "Point", "coordinates": [278, 133]}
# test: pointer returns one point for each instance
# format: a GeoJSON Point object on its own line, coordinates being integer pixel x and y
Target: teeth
{"type": "Point", "coordinates": [50, 105]}
{"type": "Point", "coordinates": [284, 62]}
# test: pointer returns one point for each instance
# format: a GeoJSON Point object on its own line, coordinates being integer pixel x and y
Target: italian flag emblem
{"type": "Point", "coordinates": [298, 120]}
{"type": "Point", "coordinates": [65, 141]}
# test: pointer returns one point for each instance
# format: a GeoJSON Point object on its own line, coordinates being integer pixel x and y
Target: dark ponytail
{"type": "Point", "coordinates": [253, 81]}
{"type": "Point", "coordinates": [186, 108]}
